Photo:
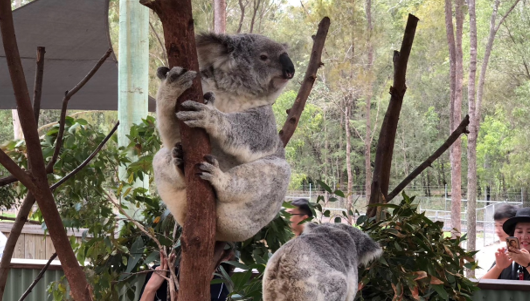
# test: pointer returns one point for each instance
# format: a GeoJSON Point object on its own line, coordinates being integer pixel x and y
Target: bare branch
{"type": "Point", "coordinates": [87, 160]}
{"type": "Point", "coordinates": [5, 218]}
{"type": "Point", "coordinates": [506, 15]}
{"type": "Point", "coordinates": [39, 74]}
{"type": "Point", "coordinates": [68, 95]}
{"type": "Point", "coordinates": [15, 170]}
{"type": "Point", "coordinates": [461, 129]}
{"type": "Point", "coordinates": [160, 42]}
{"type": "Point", "coordinates": [294, 113]}
{"type": "Point", "coordinates": [39, 277]}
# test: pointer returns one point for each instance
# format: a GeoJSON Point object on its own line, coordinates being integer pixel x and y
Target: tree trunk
{"type": "Point", "coordinates": [198, 236]}
{"type": "Point", "coordinates": [256, 8]}
{"type": "Point", "coordinates": [472, 137]}
{"type": "Point", "coordinates": [219, 16]}
{"type": "Point", "coordinates": [348, 161]}
{"type": "Point", "coordinates": [242, 8]}
{"type": "Point", "coordinates": [368, 134]}
{"type": "Point", "coordinates": [455, 111]}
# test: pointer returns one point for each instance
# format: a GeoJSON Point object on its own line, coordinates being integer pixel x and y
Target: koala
{"type": "Point", "coordinates": [243, 75]}
{"type": "Point", "coordinates": [319, 265]}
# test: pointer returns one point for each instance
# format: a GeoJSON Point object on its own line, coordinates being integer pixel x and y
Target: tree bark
{"type": "Point", "coordinates": [38, 184]}
{"type": "Point", "coordinates": [219, 16]}
{"type": "Point", "coordinates": [198, 236]}
{"type": "Point", "coordinates": [387, 136]}
{"type": "Point", "coordinates": [256, 8]}
{"type": "Point", "coordinates": [472, 137]}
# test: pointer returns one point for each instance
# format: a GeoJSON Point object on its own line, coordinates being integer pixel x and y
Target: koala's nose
{"type": "Point", "coordinates": [287, 65]}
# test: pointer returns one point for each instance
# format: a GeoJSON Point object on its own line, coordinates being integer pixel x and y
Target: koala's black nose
{"type": "Point", "coordinates": [287, 64]}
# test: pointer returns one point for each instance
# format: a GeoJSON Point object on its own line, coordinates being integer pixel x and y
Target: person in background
{"type": "Point", "coordinates": [513, 263]}
{"type": "Point", "coordinates": [502, 214]}
{"type": "Point", "coordinates": [300, 212]}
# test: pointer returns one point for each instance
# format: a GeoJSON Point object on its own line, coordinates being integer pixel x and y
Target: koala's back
{"type": "Point", "coordinates": [300, 271]}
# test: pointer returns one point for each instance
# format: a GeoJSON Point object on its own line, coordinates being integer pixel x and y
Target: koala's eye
{"type": "Point", "coordinates": [263, 57]}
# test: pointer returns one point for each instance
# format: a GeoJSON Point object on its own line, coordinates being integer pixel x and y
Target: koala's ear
{"type": "Point", "coordinates": [211, 47]}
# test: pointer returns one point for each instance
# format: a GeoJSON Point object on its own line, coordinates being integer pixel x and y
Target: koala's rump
{"type": "Point", "coordinates": [297, 272]}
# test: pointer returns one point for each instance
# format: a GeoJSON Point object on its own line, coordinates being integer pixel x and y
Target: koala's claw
{"type": "Point", "coordinates": [210, 169]}
{"type": "Point", "coordinates": [209, 98]}
{"type": "Point", "coordinates": [161, 72]}
{"type": "Point", "coordinates": [177, 156]}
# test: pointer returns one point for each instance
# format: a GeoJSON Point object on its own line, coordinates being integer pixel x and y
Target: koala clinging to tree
{"type": "Point", "coordinates": [319, 265]}
{"type": "Point", "coordinates": [247, 169]}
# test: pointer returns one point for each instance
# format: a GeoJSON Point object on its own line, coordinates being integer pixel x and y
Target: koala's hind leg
{"type": "Point", "coordinates": [170, 181]}
{"type": "Point", "coordinates": [249, 195]}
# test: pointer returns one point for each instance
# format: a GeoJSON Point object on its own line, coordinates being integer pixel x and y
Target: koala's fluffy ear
{"type": "Point", "coordinates": [367, 248]}
{"type": "Point", "coordinates": [213, 49]}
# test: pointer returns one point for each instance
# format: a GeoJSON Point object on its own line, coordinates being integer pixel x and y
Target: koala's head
{"type": "Point", "coordinates": [245, 63]}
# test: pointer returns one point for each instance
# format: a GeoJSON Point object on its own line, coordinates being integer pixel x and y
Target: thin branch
{"type": "Point", "coordinates": [87, 160]}
{"type": "Point", "coordinates": [294, 113]}
{"type": "Point", "coordinates": [39, 74]}
{"type": "Point", "coordinates": [160, 42]}
{"type": "Point", "coordinates": [461, 129]}
{"type": "Point", "coordinates": [506, 15]}
{"type": "Point", "coordinates": [68, 95]}
{"type": "Point", "coordinates": [39, 277]}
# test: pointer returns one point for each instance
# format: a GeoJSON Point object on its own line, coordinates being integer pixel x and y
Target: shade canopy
{"type": "Point", "coordinates": [75, 34]}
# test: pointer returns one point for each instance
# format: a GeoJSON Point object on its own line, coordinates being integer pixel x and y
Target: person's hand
{"type": "Point", "coordinates": [502, 259]}
{"type": "Point", "coordinates": [157, 278]}
{"type": "Point", "coordinates": [522, 257]}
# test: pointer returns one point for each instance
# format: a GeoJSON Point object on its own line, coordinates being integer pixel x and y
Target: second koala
{"type": "Point", "coordinates": [248, 170]}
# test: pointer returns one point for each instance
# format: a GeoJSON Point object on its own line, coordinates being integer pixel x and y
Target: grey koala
{"type": "Point", "coordinates": [247, 168]}
{"type": "Point", "coordinates": [319, 265]}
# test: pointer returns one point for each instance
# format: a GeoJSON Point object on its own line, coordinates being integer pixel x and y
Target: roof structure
{"type": "Point", "coordinates": [75, 34]}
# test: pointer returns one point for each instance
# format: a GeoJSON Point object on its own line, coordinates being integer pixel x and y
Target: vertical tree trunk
{"type": "Point", "coordinates": [256, 8]}
{"type": "Point", "coordinates": [368, 134]}
{"type": "Point", "coordinates": [348, 161]}
{"type": "Point", "coordinates": [219, 16]}
{"type": "Point", "coordinates": [198, 236]}
{"type": "Point", "coordinates": [242, 8]}
{"type": "Point", "coordinates": [455, 112]}
{"type": "Point", "coordinates": [472, 137]}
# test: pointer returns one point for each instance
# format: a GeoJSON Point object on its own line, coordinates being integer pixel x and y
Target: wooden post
{"type": "Point", "coordinates": [198, 237]}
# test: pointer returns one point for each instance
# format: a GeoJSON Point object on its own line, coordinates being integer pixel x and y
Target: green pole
{"type": "Point", "coordinates": [133, 72]}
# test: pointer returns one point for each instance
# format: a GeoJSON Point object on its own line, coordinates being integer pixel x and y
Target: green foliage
{"type": "Point", "coordinates": [418, 262]}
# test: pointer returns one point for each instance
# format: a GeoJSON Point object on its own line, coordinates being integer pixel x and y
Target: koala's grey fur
{"type": "Point", "coordinates": [248, 171]}
{"type": "Point", "coordinates": [319, 265]}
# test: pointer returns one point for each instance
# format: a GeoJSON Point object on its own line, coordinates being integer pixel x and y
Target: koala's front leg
{"type": "Point", "coordinates": [174, 83]}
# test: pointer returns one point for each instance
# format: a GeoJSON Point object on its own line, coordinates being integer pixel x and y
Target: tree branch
{"type": "Point", "coordinates": [461, 129]}
{"type": "Point", "coordinates": [67, 96]}
{"type": "Point", "coordinates": [15, 170]}
{"type": "Point", "coordinates": [39, 277]}
{"type": "Point", "coordinates": [160, 42]}
{"type": "Point", "coordinates": [506, 15]}
{"type": "Point", "coordinates": [9, 249]}
{"type": "Point", "coordinates": [387, 136]}
{"type": "Point", "coordinates": [87, 160]}
{"type": "Point", "coordinates": [294, 113]}
{"type": "Point", "coordinates": [39, 74]}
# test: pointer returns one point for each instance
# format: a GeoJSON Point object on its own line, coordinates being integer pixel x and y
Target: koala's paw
{"type": "Point", "coordinates": [177, 78]}
{"type": "Point", "coordinates": [199, 115]}
{"type": "Point", "coordinates": [211, 171]}
{"type": "Point", "coordinates": [177, 157]}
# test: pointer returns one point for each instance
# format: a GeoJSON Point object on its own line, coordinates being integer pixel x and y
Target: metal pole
{"type": "Point", "coordinates": [133, 71]}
